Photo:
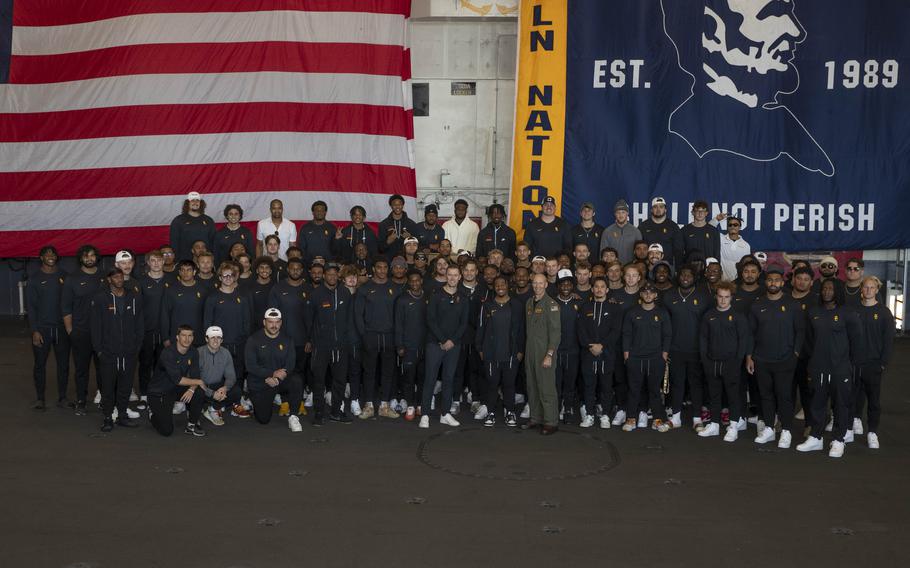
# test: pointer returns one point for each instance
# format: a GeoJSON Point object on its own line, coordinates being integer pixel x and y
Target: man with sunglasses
{"type": "Point", "coordinates": [828, 268]}
{"type": "Point", "coordinates": [733, 247]}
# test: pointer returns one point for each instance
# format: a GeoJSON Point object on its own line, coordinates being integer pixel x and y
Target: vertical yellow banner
{"type": "Point", "coordinates": [540, 110]}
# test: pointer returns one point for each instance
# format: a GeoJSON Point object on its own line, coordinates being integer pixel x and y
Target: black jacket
{"type": "Point", "coordinates": [330, 314]}
{"type": "Point", "coordinates": [42, 300]}
{"type": "Point", "coordinates": [493, 237]}
{"type": "Point", "coordinates": [171, 367]}
{"type": "Point", "coordinates": [259, 295]}
{"type": "Point", "coordinates": [78, 290]}
{"type": "Point", "coordinates": [686, 312]}
{"type": "Point", "coordinates": [316, 240]}
{"type": "Point", "coordinates": [447, 316]}
{"type": "Point", "coordinates": [292, 302]}
{"type": "Point", "coordinates": [152, 296]}
{"type": "Point", "coordinates": [343, 248]}
{"type": "Point", "coordinates": [599, 322]}
{"type": "Point", "coordinates": [231, 312]}
{"type": "Point", "coordinates": [778, 329]}
{"type": "Point", "coordinates": [117, 324]}
{"type": "Point", "coordinates": [833, 337]}
{"type": "Point", "coordinates": [724, 335]}
{"type": "Point", "coordinates": [663, 234]}
{"type": "Point", "coordinates": [706, 239]}
{"type": "Point", "coordinates": [877, 343]}
{"type": "Point", "coordinates": [590, 237]}
{"type": "Point", "coordinates": [263, 355]}
{"type": "Point", "coordinates": [646, 333]}
{"type": "Point", "coordinates": [399, 226]}
{"type": "Point", "coordinates": [427, 237]}
{"type": "Point", "coordinates": [411, 320]}
{"type": "Point", "coordinates": [501, 332]}
{"type": "Point", "coordinates": [568, 329]}
{"type": "Point", "coordinates": [374, 313]}
{"type": "Point", "coordinates": [226, 238]}
{"type": "Point", "coordinates": [548, 239]}
{"type": "Point", "coordinates": [184, 305]}
{"type": "Point", "coordinates": [186, 230]}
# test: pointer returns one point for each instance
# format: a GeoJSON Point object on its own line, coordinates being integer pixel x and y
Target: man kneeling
{"type": "Point", "coordinates": [269, 355]}
{"type": "Point", "coordinates": [177, 378]}
{"type": "Point", "coordinates": [217, 369]}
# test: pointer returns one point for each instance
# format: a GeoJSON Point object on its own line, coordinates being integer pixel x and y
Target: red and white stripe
{"type": "Point", "coordinates": [115, 110]}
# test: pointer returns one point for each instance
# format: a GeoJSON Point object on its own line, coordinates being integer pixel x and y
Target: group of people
{"type": "Point", "coordinates": [616, 326]}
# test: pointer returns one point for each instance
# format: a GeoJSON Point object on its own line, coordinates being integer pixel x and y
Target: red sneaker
{"type": "Point", "coordinates": [239, 411]}
{"type": "Point", "coordinates": [705, 415]}
{"type": "Point", "coordinates": [725, 417]}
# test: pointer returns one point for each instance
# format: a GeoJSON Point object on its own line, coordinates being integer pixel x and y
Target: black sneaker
{"type": "Point", "coordinates": [490, 420]}
{"type": "Point", "coordinates": [80, 408]}
{"type": "Point", "coordinates": [318, 419]}
{"type": "Point", "coordinates": [108, 425]}
{"type": "Point", "coordinates": [510, 420]}
{"type": "Point", "coordinates": [65, 403]}
{"type": "Point", "coordinates": [39, 406]}
{"type": "Point", "coordinates": [340, 417]}
{"type": "Point", "coordinates": [194, 430]}
{"type": "Point", "coordinates": [125, 423]}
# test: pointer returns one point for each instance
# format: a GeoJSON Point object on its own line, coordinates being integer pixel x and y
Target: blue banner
{"type": "Point", "coordinates": [792, 114]}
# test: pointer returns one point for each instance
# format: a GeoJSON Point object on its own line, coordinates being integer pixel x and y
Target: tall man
{"type": "Point", "coordinates": [461, 230]}
{"type": "Point", "coordinates": [410, 336]}
{"type": "Point", "coordinates": [659, 228]}
{"type": "Point", "coordinates": [45, 320]}
{"type": "Point", "coordinates": [548, 235]}
{"type": "Point", "coordinates": [291, 297]}
{"type": "Point", "coordinates": [374, 316]}
{"type": "Point", "coordinates": [277, 225]}
{"type": "Point", "coordinates": [543, 337]}
{"type": "Point", "coordinates": [330, 312]}
{"type": "Point", "coordinates": [697, 235]}
{"type": "Point", "coordinates": [646, 336]}
{"type": "Point", "coordinates": [496, 235]}
{"type": "Point", "coordinates": [587, 232]}
{"type": "Point", "coordinates": [190, 226]}
{"type": "Point", "coordinates": [598, 331]}
{"type": "Point", "coordinates": [316, 236]}
{"type": "Point", "coordinates": [872, 359]}
{"type": "Point", "coordinates": [183, 303]}
{"type": "Point", "coordinates": [78, 290]}
{"type": "Point", "coordinates": [229, 308]}
{"type": "Point", "coordinates": [395, 228]}
{"type": "Point", "coordinates": [622, 234]}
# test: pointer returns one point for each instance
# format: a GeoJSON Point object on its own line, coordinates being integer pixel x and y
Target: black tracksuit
{"type": "Point", "coordinates": [233, 314]}
{"type": "Point", "coordinates": [664, 234]}
{"type": "Point", "coordinates": [331, 323]}
{"type": "Point", "coordinates": [748, 384]}
{"type": "Point", "coordinates": [801, 382]}
{"type": "Point", "coordinates": [447, 320]}
{"type": "Point", "coordinates": [501, 337]}
{"type": "Point", "coordinates": [292, 302]}
{"type": "Point", "coordinates": [624, 302]}
{"type": "Point", "coordinates": [410, 335]}
{"type": "Point", "coordinates": [428, 236]}
{"type": "Point", "coordinates": [78, 290]}
{"type": "Point", "coordinates": [468, 372]}
{"type": "Point", "coordinates": [833, 336]}
{"type": "Point", "coordinates": [259, 300]}
{"type": "Point", "coordinates": [152, 295]}
{"type": "Point", "coordinates": [872, 357]}
{"type": "Point", "coordinates": [492, 237]}
{"type": "Point", "coordinates": [226, 238]}
{"type": "Point", "coordinates": [264, 355]}
{"type": "Point", "coordinates": [165, 388]}
{"type": "Point", "coordinates": [350, 236]}
{"type": "Point", "coordinates": [117, 331]}
{"type": "Point", "coordinates": [42, 297]}
{"type": "Point", "coordinates": [186, 230]}
{"type": "Point", "coordinates": [548, 239]}
{"type": "Point", "coordinates": [399, 226]}
{"type": "Point", "coordinates": [374, 318]}
{"type": "Point", "coordinates": [599, 322]}
{"type": "Point", "coordinates": [686, 310]}
{"type": "Point", "coordinates": [689, 238]}
{"type": "Point", "coordinates": [646, 335]}
{"type": "Point", "coordinates": [567, 355]}
{"type": "Point", "coordinates": [778, 330]}
{"type": "Point", "coordinates": [723, 341]}
{"type": "Point", "coordinates": [590, 237]}
{"type": "Point", "coordinates": [184, 305]}
{"type": "Point", "coordinates": [316, 240]}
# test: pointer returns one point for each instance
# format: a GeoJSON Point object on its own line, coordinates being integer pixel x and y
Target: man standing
{"type": "Point", "coordinates": [232, 233]}
{"type": "Point", "coordinates": [659, 228]}
{"type": "Point", "coordinates": [152, 285]}
{"type": "Point", "coordinates": [277, 225]}
{"type": "Point", "coordinates": [229, 308]}
{"type": "Point", "coordinates": [176, 379]}
{"type": "Point", "coordinates": [410, 337]}
{"type": "Point", "coordinates": [316, 236]}
{"type": "Point", "coordinates": [291, 297]}
{"type": "Point", "coordinates": [543, 336]}
{"type": "Point", "coordinates": [548, 235]}
{"type": "Point", "coordinates": [855, 272]}
{"type": "Point", "coordinates": [78, 291]}
{"type": "Point", "coordinates": [567, 356]}
{"type": "Point", "coordinates": [732, 247]}
{"type": "Point", "coordinates": [357, 233]}
{"type": "Point", "coordinates": [45, 320]}
{"type": "Point", "coordinates": [461, 230]}
{"type": "Point", "coordinates": [621, 235]}
{"type": "Point", "coordinates": [270, 357]}
{"type": "Point", "coordinates": [587, 232]}
{"type": "Point", "coordinates": [183, 302]}
{"type": "Point", "coordinates": [872, 359]}
{"type": "Point", "coordinates": [429, 233]}
{"type": "Point", "coordinates": [496, 235]}
{"type": "Point", "coordinates": [697, 235]}
{"type": "Point", "coordinates": [117, 331]}
{"type": "Point", "coordinates": [190, 226]}
{"type": "Point", "coordinates": [646, 336]}
{"type": "Point", "coordinates": [598, 331]}
{"type": "Point", "coordinates": [374, 315]}
{"type": "Point", "coordinates": [395, 228]}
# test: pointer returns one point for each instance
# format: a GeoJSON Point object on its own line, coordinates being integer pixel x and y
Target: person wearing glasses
{"type": "Point", "coordinates": [854, 274]}
{"type": "Point", "coordinates": [229, 308]}
{"type": "Point", "coordinates": [828, 268]}
{"type": "Point", "coordinates": [733, 247]}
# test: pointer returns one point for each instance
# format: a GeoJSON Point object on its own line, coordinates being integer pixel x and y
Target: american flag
{"type": "Point", "coordinates": [111, 111]}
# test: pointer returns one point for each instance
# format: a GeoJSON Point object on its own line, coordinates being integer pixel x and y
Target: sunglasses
{"type": "Point", "coordinates": [828, 265]}
{"type": "Point", "coordinates": [853, 269]}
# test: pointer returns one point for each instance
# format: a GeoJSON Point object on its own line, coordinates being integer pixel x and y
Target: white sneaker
{"type": "Point", "coordinates": [764, 436]}
{"type": "Point", "coordinates": [481, 412]}
{"type": "Point", "coordinates": [134, 397]}
{"type": "Point", "coordinates": [212, 416]}
{"type": "Point", "coordinates": [696, 421]}
{"type": "Point", "coordinates": [519, 399]}
{"type": "Point", "coordinates": [582, 411]}
{"type": "Point", "coordinates": [872, 440]}
{"type": "Point", "coordinates": [676, 419]}
{"type": "Point", "coordinates": [620, 418]}
{"type": "Point", "coordinates": [130, 413]}
{"type": "Point", "coordinates": [760, 426]}
{"type": "Point", "coordinates": [711, 429]}
{"type": "Point", "coordinates": [587, 422]}
{"type": "Point", "coordinates": [328, 398]}
{"type": "Point", "coordinates": [812, 444]}
{"type": "Point", "coordinates": [858, 426]}
{"type": "Point", "coordinates": [424, 421]}
{"type": "Point", "coordinates": [642, 419]}
{"type": "Point", "coordinates": [308, 402]}
{"type": "Point", "coordinates": [98, 397]}
{"type": "Point", "coordinates": [837, 449]}
{"type": "Point", "coordinates": [752, 420]}
{"type": "Point", "coordinates": [179, 408]}
{"type": "Point", "coordinates": [848, 437]}
{"type": "Point", "coordinates": [629, 426]}
{"type": "Point", "coordinates": [605, 422]}
{"type": "Point", "coordinates": [115, 414]}
{"type": "Point", "coordinates": [470, 399]}
{"type": "Point", "coordinates": [830, 425]}
{"type": "Point", "coordinates": [785, 439]}
{"type": "Point", "coordinates": [277, 400]}
{"type": "Point", "coordinates": [562, 413]}
{"type": "Point", "coordinates": [355, 407]}
{"type": "Point", "coordinates": [403, 406]}
{"type": "Point", "coordinates": [449, 420]}
{"type": "Point", "coordinates": [294, 423]}
{"type": "Point", "coordinates": [526, 411]}
{"type": "Point", "coordinates": [455, 408]}
{"type": "Point", "coordinates": [732, 434]}
{"type": "Point", "coordinates": [742, 425]}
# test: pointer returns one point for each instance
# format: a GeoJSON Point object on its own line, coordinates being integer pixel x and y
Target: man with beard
{"type": "Point", "coordinates": [78, 290]}
{"type": "Point", "coordinates": [331, 321]}
{"type": "Point", "coordinates": [496, 235]}
{"type": "Point", "coordinates": [567, 356]}
{"type": "Point", "coordinates": [315, 237]}
{"type": "Point", "coordinates": [598, 332]}
{"type": "Point", "coordinates": [271, 362]}
{"type": "Point", "coordinates": [410, 338]}
{"type": "Point", "coordinates": [658, 228]}
{"type": "Point", "coordinates": [686, 305]}
{"type": "Point", "coordinates": [646, 336]}
{"type": "Point", "coordinates": [45, 321]}
{"type": "Point", "coordinates": [548, 235]}
{"type": "Point", "coordinates": [748, 288]}
{"type": "Point", "coordinates": [374, 317]}
{"type": "Point", "coordinates": [778, 330]}
{"type": "Point", "coordinates": [291, 296]}
{"type": "Point", "coordinates": [801, 292]}
{"type": "Point", "coordinates": [429, 233]}
{"type": "Point", "coordinates": [190, 226]}
{"type": "Point", "coordinates": [698, 235]}
{"type": "Point", "coordinates": [828, 268]}
{"type": "Point", "coordinates": [621, 235]}
{"type": "Point", "coordinates": [276, 225]}
{"type": "Point", "coordinates": [232, 233]}
{"type": "Point", "coordinates": [713, 274]}
{"type": "Point", "coordinates": [500, 343]}
{"type": "Point", "coordinates": [117, 330]}
{"type": "Point", "coordinates": [624, 298]}
{"type": "Point", "coordinates": [395, 228]}
{"type": "Point", "coordinates": [587, 232]}
{"type": "Point", "coordinates": [460, 230]}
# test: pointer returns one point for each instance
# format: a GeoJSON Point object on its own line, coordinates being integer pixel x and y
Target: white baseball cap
{"type": "Point", "coordinates": [193, 195]}
{"type": "Point", "coordinates": [658, 201]}
{"type": "Point", "coordinates": [411, 240]}
{"type": "Point", "coordinates": [711, 260]}
{"type": "Point", "coordinates": [564, 273]}
{"type": "Point", "coordinates": [214, 331]}
{"type": "Point", "coordinates": [123, 255]}
{"type": "Point", "coordinates": [656, 246]}
{"type": "Point", "coordinates": [762, 257]}
{"type": "Point", "coordinates": [273, 313]}
{"type": "Point", "coordinates": [539, 258]}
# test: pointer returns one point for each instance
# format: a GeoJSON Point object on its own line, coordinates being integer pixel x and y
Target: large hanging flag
{"type": "Point", "coordinates": [111, 111]}
{"type": "Point", "coordinates": [792, 114]}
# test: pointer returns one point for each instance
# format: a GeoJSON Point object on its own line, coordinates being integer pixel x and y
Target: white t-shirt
{"type": "Point", "coordinates": [464, 236]}
{"type": "Point", "coordinates": [730, 253]}
{"type": "Point", "coordinates": [287, 232]}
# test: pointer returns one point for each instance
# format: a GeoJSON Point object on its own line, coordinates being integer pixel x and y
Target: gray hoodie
{"type": "Point", "coordinates": [216, 368]}
{"type": "Point", "coordinates": [622, 239]}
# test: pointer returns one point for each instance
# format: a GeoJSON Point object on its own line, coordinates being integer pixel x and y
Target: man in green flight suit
{"type": "Point", "coordinates": [543, 329]}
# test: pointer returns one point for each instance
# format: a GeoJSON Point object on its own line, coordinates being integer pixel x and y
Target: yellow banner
{"type": "Point", "coordinates": [540, 110]}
